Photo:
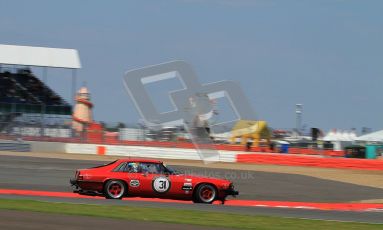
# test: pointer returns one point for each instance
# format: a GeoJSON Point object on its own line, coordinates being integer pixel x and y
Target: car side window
{"type": "Point", "coordinates": [120, 168]}
{"type": "Point", "coordinates": [151, 168]}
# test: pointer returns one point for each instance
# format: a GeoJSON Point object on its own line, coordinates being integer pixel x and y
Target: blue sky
{"type": "Point", "coordinates": [326, 55]}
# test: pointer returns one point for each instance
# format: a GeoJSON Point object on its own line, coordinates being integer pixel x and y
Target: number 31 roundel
{"type": "Point", "coordinates": [161, 184]}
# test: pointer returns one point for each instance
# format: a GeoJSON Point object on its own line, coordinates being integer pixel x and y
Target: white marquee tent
{"type": "Point", "coordinates": [340, 139]}
{"type": "Point", "coordinates": [372, 137]}
{"type": "Point", "coordinates": [340, 136]}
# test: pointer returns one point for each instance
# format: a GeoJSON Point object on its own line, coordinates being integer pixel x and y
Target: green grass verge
{"type": "Point", "coordinates": [177, 216]}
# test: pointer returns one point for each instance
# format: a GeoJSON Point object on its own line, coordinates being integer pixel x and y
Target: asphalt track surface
{"type": "Point", "coordinates": [48, 174]}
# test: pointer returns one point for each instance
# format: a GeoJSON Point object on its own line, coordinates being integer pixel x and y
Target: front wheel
{"type": "Point", "coordinates": [205, 193]}
{"type": "Point", "coordinates": [114, 189]}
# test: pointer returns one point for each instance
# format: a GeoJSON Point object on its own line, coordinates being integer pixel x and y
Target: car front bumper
{"type": "Point", "coordinates": [231, 192]}
{"type": "Point", "coordinates": [73, 182]}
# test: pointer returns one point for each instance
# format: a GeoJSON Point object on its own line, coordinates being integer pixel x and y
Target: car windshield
{"type": "Point", "coordinates": [170, 170]}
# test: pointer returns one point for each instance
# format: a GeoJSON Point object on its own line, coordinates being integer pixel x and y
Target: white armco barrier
{"type": "Point", "coordinates": [81, 148]}
{"type": "Point", "coordinates": [148, 152]}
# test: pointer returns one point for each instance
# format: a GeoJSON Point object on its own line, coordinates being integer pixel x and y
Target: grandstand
{"type": "Point", "coordinates": [26, 102]}
{"type": "Point", "coordinates": [23, 92]}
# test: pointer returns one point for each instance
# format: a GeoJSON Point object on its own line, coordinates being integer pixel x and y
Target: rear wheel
{"type": "Point", "coordinates": [205, 193]}
{"type": "Point", "coordinates": [114, 189]}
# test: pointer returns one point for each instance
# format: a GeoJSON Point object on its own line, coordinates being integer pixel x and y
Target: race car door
{"type": "Point", "coordinates": [133, 178]}
{"type": "Point", "coordinates": [156, 182]}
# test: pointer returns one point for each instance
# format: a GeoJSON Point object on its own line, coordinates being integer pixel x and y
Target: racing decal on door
{"type": "Point", "coordinates": [134, 183]}
{"type": "Point", "coordinates": [161, 184]}
{"type": "Point", "coordinates": [187, 186]}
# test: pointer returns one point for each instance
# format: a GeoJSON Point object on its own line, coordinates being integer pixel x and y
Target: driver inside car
{"type": "Point", "coordinates": [133, 167]}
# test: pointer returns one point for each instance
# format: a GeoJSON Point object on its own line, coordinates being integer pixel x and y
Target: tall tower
{"type": "Point", "coordinates": [298, 113]}
{"type": "Point", "coordinates": [82, 114]}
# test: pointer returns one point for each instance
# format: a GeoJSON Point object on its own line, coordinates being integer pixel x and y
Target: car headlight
{"type": "Point", "coordinates": [225, 186]}
{"type": "Point", "coordinates": [231, 186]}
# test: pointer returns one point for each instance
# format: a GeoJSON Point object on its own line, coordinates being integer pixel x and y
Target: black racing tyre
{"type": "Point", "coordinates": [114, 189]}
{"type": "Point", "coordinates": [205, 193]}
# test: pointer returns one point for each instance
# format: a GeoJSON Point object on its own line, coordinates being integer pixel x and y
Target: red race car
{"type": "Point", "coordinates": [149, 178]}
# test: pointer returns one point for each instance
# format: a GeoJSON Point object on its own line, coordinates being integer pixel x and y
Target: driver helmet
{"type": "Point", "coordinates": [133, 167]}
